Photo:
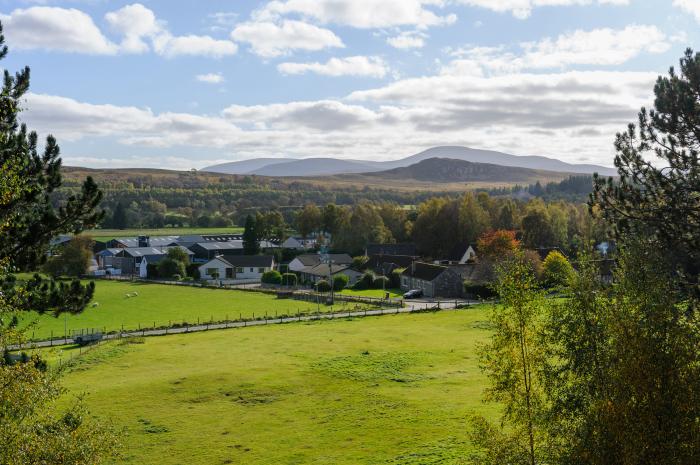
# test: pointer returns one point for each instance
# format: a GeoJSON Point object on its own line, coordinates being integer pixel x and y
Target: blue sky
{"type": "Point", "coordinates": [187, 84]}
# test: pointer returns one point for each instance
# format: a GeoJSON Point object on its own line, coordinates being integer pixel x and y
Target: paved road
{"type": "Point", "coordinates": [411, 306]}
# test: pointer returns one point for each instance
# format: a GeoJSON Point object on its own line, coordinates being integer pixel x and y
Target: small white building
{"type": "Point", "coordinates": [305, 262]}
{"type": "Point", "coordinates": [240, 267]}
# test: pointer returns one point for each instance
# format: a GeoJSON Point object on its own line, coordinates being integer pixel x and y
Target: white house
{"type": "Point", "coordinates": [240, 267]}
{"type": "Point", "coordinates": [468, 255]}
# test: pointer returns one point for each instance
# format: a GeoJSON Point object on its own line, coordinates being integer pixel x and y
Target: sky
{"type": "Point", "coordinates": [187, 84]}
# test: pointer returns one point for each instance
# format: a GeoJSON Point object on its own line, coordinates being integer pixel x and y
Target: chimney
{"type": "Point", "coordinates": [144, 241]}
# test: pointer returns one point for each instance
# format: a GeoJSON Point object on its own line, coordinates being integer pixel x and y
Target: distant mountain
{"type": "Point", "coordinates": [503, 159]}
{"type": "Point", "coordinates": [332, 166]}
{"type": "Point", "coordinates": [246, 166]}
{"type": "Point", "coordinates": [447, 170]}
{"type": "Point", "coordinates": [315, 167]}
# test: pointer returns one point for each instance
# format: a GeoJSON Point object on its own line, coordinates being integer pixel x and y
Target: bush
{"type": "Point", "coordinates": [556, 270]}
{"type": "Point", "coordinates": [340, 282]}
{"type": "Point", "coordinates": [478, 290]}
{"type": "Point", "coordinates": [271, 277]}
{"type": "Point", "coordinates": [365, 282]}
{"type": "Point", "coordinates": [177, 277]}
{"type": "Point", "coordinates": [395, 278]}
{"type": "Point", "coordinates": [193, 270]}
{"type": "Point", "coordinates": [169, 268]}
{"type": "Point", "coordinates": [381, 282]}
{"type": "Point", "coordinates": [289, 279]}
{"type": "Point", "coordinates": [359, 263]}
{"type": "Point", "coordinates": [323, 286]}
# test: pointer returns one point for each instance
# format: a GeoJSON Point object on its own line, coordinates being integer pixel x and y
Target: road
{"type": "Point", "coordinates": [411, 306]}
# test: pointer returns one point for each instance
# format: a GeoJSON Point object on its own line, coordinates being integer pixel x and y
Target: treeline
{"type": "Point", "coordinates": [154, 199]}
{"type": "Point", "coordinates": [574, 188]}
{"type": "Point", "coordinates": [442, 227]}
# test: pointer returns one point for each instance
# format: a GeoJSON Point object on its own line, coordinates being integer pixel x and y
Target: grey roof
{"type": "Point", "coordinates": [149, 251]}
{"type": "Point", "coordinates": [232, 245]}
{"type": "Point", "coordinates": [315, 259]}
{"type": "Point", "coordinates": [108, 252]}
{"type": "Point", "coordinates": [424, 271]}
{"type": "Point", "coordinates": [323, 269]}
{"type": "Point", "coordinates": [155, 241]}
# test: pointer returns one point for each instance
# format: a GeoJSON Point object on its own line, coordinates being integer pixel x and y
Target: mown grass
{"type": "Point", "coordinates": [107, 234]}
{"type": "Point", "coordinates": [378, 390]}
{"type": "Point", "coordinates": [161, 305]}
{"type": "Point", "coordinates": [378, 293]}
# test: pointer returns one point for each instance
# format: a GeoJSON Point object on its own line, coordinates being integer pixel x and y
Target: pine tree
{"type": "Point", "coordinates": [661, 200]}
{"type": "Point", "coordinates": [251, 246]}
{"type": "Point", "coordinates": [119, 218]}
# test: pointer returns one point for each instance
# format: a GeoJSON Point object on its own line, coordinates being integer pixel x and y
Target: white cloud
{"type": "Point", "coordinates": [349, 66]}
{"type": "Point", "coordinates": [211, 78]}
{"type": "Point", "coordinates": [269, 39]}
{"type": "Point", "coordinates": [360, 13]}
{"type": "Point", "coordinates": [53, 28]}
{"type": "Point", "coordinates": [689, 6]}
{"type": "Point", "coordinates": [600, 47]}
{"type": "Point", "coordinates": [523, 8]}
{"type": "Point", "coordinates": [566, 115]}
{"type": "Point", "coordinates": [138, 23]}
{"type": "Point", "coordinates": [194, 45]}
{"type": "Point", "coordinates": [408, 39]}
{"type": "Point", "coordinates": [134, 22]}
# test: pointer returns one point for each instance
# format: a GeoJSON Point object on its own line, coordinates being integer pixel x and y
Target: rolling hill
{"type": "Point", "coordinates": [333, 166]}
{"type": "Point", "coordinates": [449, 170]}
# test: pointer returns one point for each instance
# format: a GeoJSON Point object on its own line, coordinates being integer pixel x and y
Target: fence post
{"type": "Point", "coordinates": [51, 343]}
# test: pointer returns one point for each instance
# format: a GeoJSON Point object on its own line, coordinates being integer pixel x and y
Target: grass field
{"type": "Point", "coordinates": [107, 234]}
{"type": "Point", "coordinates": [378, 390]}
{"type": "Point", "coordinates": [162, 305]}
{"type": "Point", "coordinates": [378, 293]}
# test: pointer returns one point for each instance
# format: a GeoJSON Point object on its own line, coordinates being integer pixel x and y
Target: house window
{"type": "Point", "coordinates": [239, 269]}
{"type": "Point", "coordinates": [211, 271]}
{"type": "Point", "coordinates": [251, 270]}
{"type": "Point", "coordinates": [261, 270]}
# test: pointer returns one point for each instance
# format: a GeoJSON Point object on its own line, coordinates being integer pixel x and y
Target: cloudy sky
{"type": "Point", "coordinates": [187, 84]}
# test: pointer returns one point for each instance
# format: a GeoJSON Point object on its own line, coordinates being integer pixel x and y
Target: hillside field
{"type": "Point", "coordinates": [108, 234]}
{"type": "Point", "coordinates": [160, 305]}
{"type": "Point", "coordinates": [394, 389]}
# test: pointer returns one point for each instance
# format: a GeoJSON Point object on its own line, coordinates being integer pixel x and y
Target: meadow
{"type": "Point", "coordinates": [108, 234]}
{"type": "Point", "coordinates": [162, 305]}
{"type": "Point", "coordinates": [395, 389]}
{"type": "Point", "coordinates": [378, 293]}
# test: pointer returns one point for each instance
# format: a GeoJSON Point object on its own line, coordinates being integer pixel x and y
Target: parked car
{"type": "Point", "coordinates": [413, 294]}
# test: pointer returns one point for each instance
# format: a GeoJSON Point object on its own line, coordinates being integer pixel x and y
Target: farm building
{"type": "Point", "coordinates": [434, 280]}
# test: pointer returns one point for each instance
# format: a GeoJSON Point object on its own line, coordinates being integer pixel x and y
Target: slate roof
{"type": "Point", "coordinates": [315, 259]}
{"type": "Point", "coordinates": [149, 251]}
{"type": "Point", "coordinates": [424, 271]}
{"type": "Point", "coordinates": [232, 245]}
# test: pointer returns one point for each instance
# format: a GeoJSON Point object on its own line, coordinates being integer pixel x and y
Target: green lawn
{"type": "Point", "coordinates": [378, 293]}
{"type": "Point", "coordinates": [107, 234]}
{"type": "Point", "coordinates": [378, 390]}
{"type": "Point", "coordinates": [165, 304]}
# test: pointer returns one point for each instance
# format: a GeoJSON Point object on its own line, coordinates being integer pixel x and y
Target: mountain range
{"type": "Point", "coordinates": [333, 166]}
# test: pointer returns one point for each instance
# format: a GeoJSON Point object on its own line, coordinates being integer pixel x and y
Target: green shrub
{"type": "Point", "coordinates": [323, 286]}
{"type": "Point", "coordinates": [289, 279]}
{"type": "Point", "coordinates": [381, 282]}
{"type": "Point", "coordinates": [360, 262]}
{"type": "Point", "coordinates": [365, 282]}
{"type": "Point", "coordinates": [556, 270]}
{"type": "Point", "coordinates": [169, 268]}
{"type": "Point", "coordinates": [340, 282]}
{"type": "Point", "coordinates": [395, 278]}
{"type": "Point", "coordinates": [271, 277]}
{"type": "Point", "coordinates": [478, 290]}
